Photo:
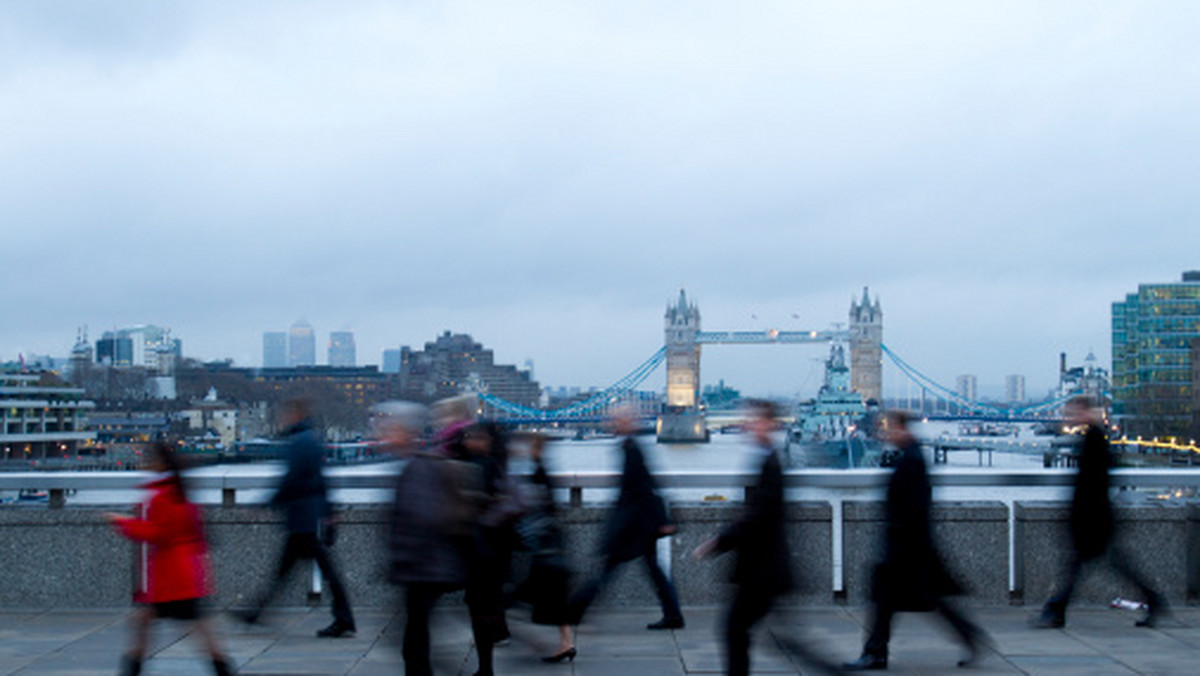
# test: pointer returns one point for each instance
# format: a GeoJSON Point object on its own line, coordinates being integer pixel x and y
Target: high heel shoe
{"type": "Point", "coordinates": [568, 655]}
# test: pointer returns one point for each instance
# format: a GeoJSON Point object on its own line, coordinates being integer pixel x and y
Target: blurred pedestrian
{"type": "Point", "coordinates": [912, 576]}
{"type": "Point", "coordinates": [490, 554]}
{"type": "Point", "coordinates": [178, 571]}
{"type": "Point", "coordinates": [762, 572]}
{"type": "Point", "coordinates": [302, 494]}
{"type": "Point", "coordinates": [1092, 523]}
{"type": "Point", "coordinates": [634, 525]}
{"type": "Point", "coordinates": [546, 586]}
{"type": "Point", "coordinates": [431, 512]}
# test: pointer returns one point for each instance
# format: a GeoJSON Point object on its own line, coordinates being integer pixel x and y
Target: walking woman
{"type": "Point", "coordinates": [485, 445]}
{"type": "Point", "coordinates": [549, 576]}
{"type": "Point", "coordinates": [179, 573]}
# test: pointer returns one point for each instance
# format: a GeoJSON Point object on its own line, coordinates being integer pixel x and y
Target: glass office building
{"type": "Point", "coordinates": [1153, 331]}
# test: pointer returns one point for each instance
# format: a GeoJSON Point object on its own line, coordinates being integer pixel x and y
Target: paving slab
{"type": "Point", "coordinates": [1095, 642]}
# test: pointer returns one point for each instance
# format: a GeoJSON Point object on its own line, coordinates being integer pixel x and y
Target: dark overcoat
{"type": "Point", "coordinates": [424, 544]}
{"type": "Point", "coordinates": [1091, 518]}
{"type": "Point", "coordinates": [639, 513]}
{"type": "Point", "coordinates": [912, 576]}
{"type": "Point", "coordinates": [302, 493]}
{"type": "Point", "coordinates": [758, 539]}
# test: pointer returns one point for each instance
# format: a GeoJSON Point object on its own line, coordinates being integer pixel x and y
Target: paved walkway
{"type": "Point", "coordinates": [1097, 642]}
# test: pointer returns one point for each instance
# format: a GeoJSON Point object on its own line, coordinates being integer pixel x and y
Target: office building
{"type": "Point", "coordinates": [41, 421]}
{"type": "Point", "coordinates": [341, 349]}
{"type": "Point", "coordinates": [146, 346]}
{"type": "Point", "coordinates": [967, 387]}
{"type": "Point", "coordinates": [302, 345]}
{"type": "Point", "coordinates": [275, 350]}
{"type": "Point", "coordinates": [1153, 330]}
{"type": "Point", "coordinates": [1195, 433]}
{"type": "Point", "coordinates": [455, 364]}
{"type": "Point", "coordinates": [391, 361]}
{"type": "Point", "coordinates": [1014, 389]}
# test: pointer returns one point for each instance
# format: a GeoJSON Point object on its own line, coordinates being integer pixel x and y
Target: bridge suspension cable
{"type": "Point", "coordinates": [606, 397]}
{"type": "Point", "coordinates": [950, 395]}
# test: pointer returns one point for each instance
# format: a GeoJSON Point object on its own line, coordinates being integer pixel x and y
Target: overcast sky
{"type": "Point", "coordinates": [545, 176]}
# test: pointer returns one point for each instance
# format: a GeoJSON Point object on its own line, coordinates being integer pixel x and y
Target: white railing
{"type": "Point", "coordinates": [242, 478]}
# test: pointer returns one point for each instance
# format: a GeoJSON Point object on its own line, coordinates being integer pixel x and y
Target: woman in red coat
{"type": "Point", "coordinates": [178, 574]}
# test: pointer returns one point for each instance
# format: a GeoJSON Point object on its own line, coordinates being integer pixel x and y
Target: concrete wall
{"type": "Point", "coordinates": [1154, 535]}
{"type": "Point", "coordinates": [971, 536]}
{"type": "Point", "coordinates": [71, 558]}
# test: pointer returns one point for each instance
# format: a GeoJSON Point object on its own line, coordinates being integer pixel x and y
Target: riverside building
{"type": "Point", "coordinates": [39, 421]}
{"type": "Point", "coordinates": [1153, 330]}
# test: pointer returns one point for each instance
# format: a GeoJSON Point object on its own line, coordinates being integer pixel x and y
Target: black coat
{"type": "Point", "coordinates": [302, 491]}
{"type": "Point", "coordinates": [423, 544]}
{"type": "Point", "coordinates": [639, 513]}
{"type": "Point", "coordinates": [763, 568]}
{"type": "Point", "coordinates": [912, 575]}
{"type": "Point", "coordinates": [1091, 519]}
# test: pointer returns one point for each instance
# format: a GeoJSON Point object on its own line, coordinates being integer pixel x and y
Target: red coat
{"type": "Point", "coordinates": [178, 566]}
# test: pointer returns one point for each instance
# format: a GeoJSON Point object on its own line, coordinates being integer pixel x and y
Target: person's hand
{"type": "Point", "coordinates": [114, 517]}
{"type": "Point", "coordinates": [669, 529]}
{"type": "Point", "coordinates": [705, 549]}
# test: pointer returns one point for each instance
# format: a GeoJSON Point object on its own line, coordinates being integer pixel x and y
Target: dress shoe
{"type": "Point", "coordinates": [972, 656]}
{"type": "Point", "coordinates": [567, 655]}
{"type": "Point", "coordinates": [867, 662]}
{"type": "Point", "coordinates": [667, 623]}
{"type": "Point", "coordinates": [338, 629]}
{"type": "Point", "coordinates": [246, 617]}
{"type": "Point", "coordinates": [1156, 610]}
{"type": "Point", "coordinates": [221, 667]}
{"type": "Point", "coordinates": [1048, 620]}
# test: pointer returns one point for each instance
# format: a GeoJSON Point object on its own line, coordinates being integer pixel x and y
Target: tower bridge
{"type": "Point", "coordinates": [682, 420]}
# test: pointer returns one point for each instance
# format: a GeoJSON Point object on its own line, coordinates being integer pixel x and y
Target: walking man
{"type": "Point", "coordinates": [635, 523]}
{"type": "Point", "coordinates": [762, 572]}
{"type": "Point", "coordinates": [912, 576]}
{"type": "Point", "coordinates": [302, 497]}
{"type": "Point", "coordinates": [1092, 523]}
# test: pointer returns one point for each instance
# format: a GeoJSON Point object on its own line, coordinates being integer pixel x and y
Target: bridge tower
{"type": "Point", "coordinates": [681, 420]}
{"type": "Point", "coordinates": [866, 347]}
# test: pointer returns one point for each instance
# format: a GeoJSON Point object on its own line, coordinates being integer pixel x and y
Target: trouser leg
{"type": "Point", "coordinates": [292, 552]}
{"type": "Point", "coordinates": [745, 612]}
{"type": "Point", "coordinates": [1057, 604]}
{"type": "Point", "coordinates": [418, 604]}
{"type": "Point", "coordinates": [667, 597]}
{"type": "Point", "coordinates": [1122, 562]}
{"type": "Point", "coordinates": [881, 629]}
{"type": "Point", "coordinates": [967, 630]}
{"type": "Point", "coordinates": [341, 601]}
{"type": "Point", "coordinates": [580, 600]}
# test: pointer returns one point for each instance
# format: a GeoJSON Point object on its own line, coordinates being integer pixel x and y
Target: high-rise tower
{"type": "Point", "coordinates": [866, 347]}
{"type": "Point", "coordinates": [302, 345]}
{"type": "Point", "coordinates": [341, 349]}
{"type": "Point", "coordinates": [682, 420]}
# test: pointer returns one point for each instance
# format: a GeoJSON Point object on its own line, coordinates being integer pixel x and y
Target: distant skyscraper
{"type": "Point", "coordinates": [275, 350]}
{"type": "Point", "coordinates": [1014, 389]}
{"type": "Point", "coordinates": [968, 387]}
{"type": "Point", "coordinates": [341, 348]}
{"type": "Point", "coordinates": [302, 345]}
{"type": "Point", "coordinates": [391, 361]}
{"type": "Point", "coordinates": [144, 345]}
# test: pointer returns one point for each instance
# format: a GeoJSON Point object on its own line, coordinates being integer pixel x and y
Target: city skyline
{"type": "Point", "coordinates": [998, 174]}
